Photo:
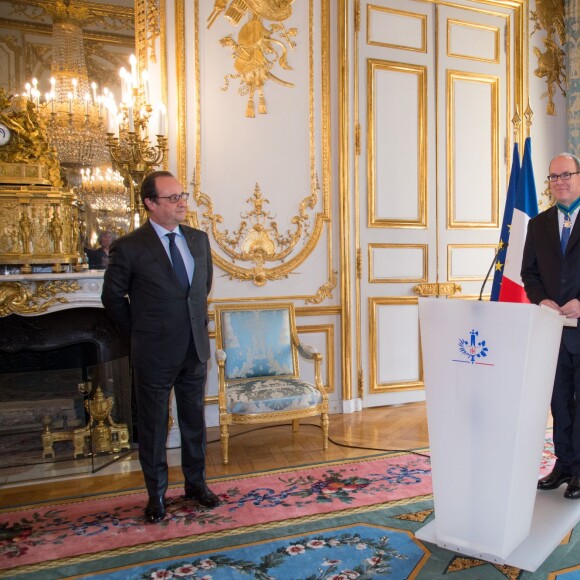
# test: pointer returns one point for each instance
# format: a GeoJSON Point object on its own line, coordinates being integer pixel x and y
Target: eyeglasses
{"type": "Point", "coordinates": [563, 176]}
{"type": "Point", "coordinates": [173, 198]}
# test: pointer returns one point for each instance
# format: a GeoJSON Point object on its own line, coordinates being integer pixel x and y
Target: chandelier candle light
{"type": "Point", "coordinates": [73, 114]}
{"type": "Point", "coordinates": [71, 111]}
{"type": "Point", "coordinates": [132, 152]}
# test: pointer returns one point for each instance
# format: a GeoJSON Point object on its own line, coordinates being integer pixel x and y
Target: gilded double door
{"type": "Point", "coordinates": [436, 87]}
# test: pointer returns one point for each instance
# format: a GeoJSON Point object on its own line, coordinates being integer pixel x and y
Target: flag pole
{"type": "Point", "coordinates": [500, 255]}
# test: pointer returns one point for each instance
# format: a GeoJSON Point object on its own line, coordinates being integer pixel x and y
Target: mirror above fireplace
{"type": "Point", "coordinates": [43, 43]}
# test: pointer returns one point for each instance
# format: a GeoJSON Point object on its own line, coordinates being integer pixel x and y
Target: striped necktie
{"type": "Point", "coordinates": [177, 261]}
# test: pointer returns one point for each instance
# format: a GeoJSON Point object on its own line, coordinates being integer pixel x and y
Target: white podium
{"type": "Point", "coordinates": [489, 370]}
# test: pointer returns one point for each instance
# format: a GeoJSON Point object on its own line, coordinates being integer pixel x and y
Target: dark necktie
{"type": "Point", "coordinates": [177, 260]}
{"type": "Point", "coordinates": [566, 229]}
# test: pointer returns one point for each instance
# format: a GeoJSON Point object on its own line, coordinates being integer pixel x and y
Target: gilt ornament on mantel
{"type": "Point", "coordinates": [39, 221]}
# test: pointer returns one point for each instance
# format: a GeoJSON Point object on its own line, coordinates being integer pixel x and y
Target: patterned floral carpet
{"type": "Point", "coordinates": [342, 520]}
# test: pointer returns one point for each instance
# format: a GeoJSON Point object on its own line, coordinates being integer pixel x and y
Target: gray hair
{"type": "Point", "coordinates": [100, 236]}
{"type": "Point", "coordinates": [569, 156]}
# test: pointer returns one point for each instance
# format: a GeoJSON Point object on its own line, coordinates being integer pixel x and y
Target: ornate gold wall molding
{"type": "Point", "coordinates": [107, 16]}
{"type": "Point", "coordinates": [258, 239]}
{"type": "Point", "coordinates": [268, 250]}
{"type": "Point", "coordinates": [325, 291]}
{"type": "Point", "coordinates": [148, 24]}
{"type": "Point", "coordinates": [549, 16]}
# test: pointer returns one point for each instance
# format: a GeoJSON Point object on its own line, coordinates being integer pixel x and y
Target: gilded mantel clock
{"type": "Point", "coordinates": [5, 135]}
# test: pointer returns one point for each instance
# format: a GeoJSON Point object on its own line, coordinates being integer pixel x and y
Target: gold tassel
{"type": "Point", "coordinates": [262, 105]}
{"type": "Point", "coordinates": [250, 108]}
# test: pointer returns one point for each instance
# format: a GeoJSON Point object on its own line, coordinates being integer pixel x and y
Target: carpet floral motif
{"type": "Point", "coordinates": [377, 563]}
{"type": "Point", "coordinates": [361, 552]}
{"type": "Point", "coordinates": [94, 524]}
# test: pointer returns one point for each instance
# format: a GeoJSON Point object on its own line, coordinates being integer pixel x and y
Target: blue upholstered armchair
{"type": "Point", "coordinates": [257, 350]}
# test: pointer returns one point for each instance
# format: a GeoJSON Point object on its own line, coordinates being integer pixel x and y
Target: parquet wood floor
{"type": "Point", "coordinates": [258, 448]}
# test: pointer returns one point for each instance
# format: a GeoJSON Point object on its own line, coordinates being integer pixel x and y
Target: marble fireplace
{"type": "Point", "coordinates": [55, 339]}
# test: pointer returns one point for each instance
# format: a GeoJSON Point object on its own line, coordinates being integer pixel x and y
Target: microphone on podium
{"type": "Point", "coordinates": [504, 247]}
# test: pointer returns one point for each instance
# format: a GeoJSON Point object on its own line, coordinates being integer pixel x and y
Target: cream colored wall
{"type": "Point", "coordinates": [295, 153]}
{"type": "Point", "coordinates": [284, 151]}
{"type": "Point", "coordinates": [275, 169]}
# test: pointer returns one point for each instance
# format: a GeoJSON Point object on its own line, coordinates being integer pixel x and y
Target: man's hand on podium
{"type": "Point", "coordinates": [551, 306]}
{"type": "Point", "coordinates": [571, 309]}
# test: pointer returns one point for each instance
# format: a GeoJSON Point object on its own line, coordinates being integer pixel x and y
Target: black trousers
{"type": "Point", "coordinates": [566, 411]}
{"type": "Point", "coordinates": [152, 391]}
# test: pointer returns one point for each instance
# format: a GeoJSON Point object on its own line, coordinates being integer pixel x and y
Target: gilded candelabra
{"type": "Point", "coordinates": [132, 152]}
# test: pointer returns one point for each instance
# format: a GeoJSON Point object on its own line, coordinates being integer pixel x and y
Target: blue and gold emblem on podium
{"type": "Point", "coordinates": [473, 349]}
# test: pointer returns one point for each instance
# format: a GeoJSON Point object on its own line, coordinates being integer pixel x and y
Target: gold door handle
{"type": "Point", "coordinates": [436, 289]}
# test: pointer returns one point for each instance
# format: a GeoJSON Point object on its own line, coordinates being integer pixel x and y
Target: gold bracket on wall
{"type": "Point", "coordinates": [549, 16]}
{"type": "Point", "coordinates": [436, 289]}
{"type": "Point", "coordinates": [325, 291]}
{"type": "Point", "coordinates": [256, 51]}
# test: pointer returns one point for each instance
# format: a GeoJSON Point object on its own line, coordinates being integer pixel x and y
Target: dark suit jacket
{"type": "Point", "coordinates": [548, 274]}
{"type": "Point", "coordinates": [143, 296]}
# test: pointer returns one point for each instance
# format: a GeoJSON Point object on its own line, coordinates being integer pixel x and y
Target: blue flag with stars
{"type": "Point", "coordinates": [510, 202]}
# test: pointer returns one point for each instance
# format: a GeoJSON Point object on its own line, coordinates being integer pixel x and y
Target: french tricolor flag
{"type": "Point", "coordinates": [525, 208]}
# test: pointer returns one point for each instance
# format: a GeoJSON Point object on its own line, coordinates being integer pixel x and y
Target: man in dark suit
{"type": "Point", "coordinates": [155, 289]}
{"type": "Point", "coordinates": [551, 276]}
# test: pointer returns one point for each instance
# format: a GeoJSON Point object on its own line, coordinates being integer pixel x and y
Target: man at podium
{"type": "Point", "coordinates": [551, 276]}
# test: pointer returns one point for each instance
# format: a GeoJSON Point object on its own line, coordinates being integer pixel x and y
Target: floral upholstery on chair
{"type": "Point", "coordinates": [257, 350]}
{"type": "Point", "coordinates": [266, 396]}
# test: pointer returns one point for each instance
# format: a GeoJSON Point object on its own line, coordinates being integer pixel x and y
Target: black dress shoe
{"type": "Point", "coordinates": [573, 489]}
{"type": "Point", "coordinates": [155, 510]}
{"type": "Point", "coordinates": [554, 479]}
{"type": "Point", "coordinates": [203, 495]}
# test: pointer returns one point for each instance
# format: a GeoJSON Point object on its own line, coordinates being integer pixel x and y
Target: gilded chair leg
{"type": "Point", "coordinates": [295, 425]}
{"type": "Point", "coordinates": [224, 437]}
{"type": "Point", "coordinates": [324, 424]}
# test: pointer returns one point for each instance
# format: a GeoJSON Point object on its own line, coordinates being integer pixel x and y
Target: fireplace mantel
{"type": "Point", "coordinates": [41, 293]}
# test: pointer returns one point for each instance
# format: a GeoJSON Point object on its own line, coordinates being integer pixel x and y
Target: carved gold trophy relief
{"type": "Point", "coordinates": [549, 16]}
{"type": "Point", "coordinates": [259, 48]}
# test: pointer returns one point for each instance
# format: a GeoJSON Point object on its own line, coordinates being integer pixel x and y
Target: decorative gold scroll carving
{"type": "Point", "coordinates": [325, 291]}
{"type": "Point", "coordinates": [22, 298]}
{"type": "Point", "coordinates": [258, 238]}
{"type": "Point", "coordinates": [256, 51]}
{"type": "Point", "coordinates": [549, 16]}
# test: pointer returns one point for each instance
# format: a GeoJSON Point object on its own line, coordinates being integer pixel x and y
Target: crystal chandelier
{"type": "Point", "coordinates": [73, 113]}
